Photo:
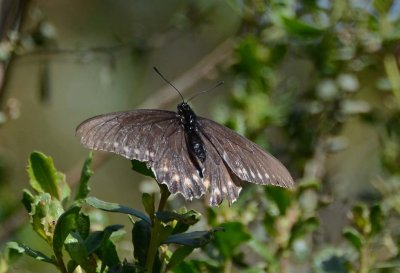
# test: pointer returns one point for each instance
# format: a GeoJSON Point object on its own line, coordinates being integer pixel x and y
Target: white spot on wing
{"type": "Point", "coordinates": [195, 177]}
{"type": "Point", "coordinates": [116, 144]}
{"type": "Point", "coordinates": [175, 177]}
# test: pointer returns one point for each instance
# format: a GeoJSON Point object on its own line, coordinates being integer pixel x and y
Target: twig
{"type": "Point", "coordinates": [161, 98]}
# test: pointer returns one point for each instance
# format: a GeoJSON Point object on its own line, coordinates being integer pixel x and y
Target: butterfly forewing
{"type": "Point", "coordinates": [133, 134]}
{"type": "Point", "coordinates": [245, 158]}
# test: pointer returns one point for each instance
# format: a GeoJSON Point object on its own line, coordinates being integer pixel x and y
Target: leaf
{"type": "Point", "coordinates": [303, 227]}
{"type": "Point", "coordinates": [184, 220]}
{"type": "Point", "coordinates": [179, 256]}
{"type": "Point", "coordinates": [44, 214]}
{"type": "Point", "coordinates": [108, 255]}
{"type": "Point", "coordinates": [355, 238]}
{"type": "Point", "coordinates": [301, 29]}
{"type": "Point", "coordinates": [113, 207]}
{"type": "Point", "coordinates": [71, 266]}
{"type": "Point", "coordinates": [83, 186]}
{"type": "Point", "coordinates": [377, 219]}
{"type": "Point", "coordinates": [21, 248]}
{"type": "Point", "coordinates": [383, 6]}
{"type": "Point", "coordinates": [76, 249]}
{"type": "Point", "coordinates": [43, 174]}
{"type": "Point", "coordinates": [95, 240]}
{"type": "Point", "coordinates": [69, 221]}
{"type": "Point", "coordinates": [280, 196]}
{"type": "Point", "coordinates": [190, 218]}
{"type": "Point", "coordinates": [234, 235]}
{"type": "Point", "coordinates": [142, 168]}
{"type": "Point", "coordinates": [193, 239]}
{"type": "Point", "coordinates": [27, 200]}
{"type": "Point", "coordinates": [331, 260]}
{"type": "Point", "coordinates": [141, 235]}
{"type": "Point", "coordinates": [360, 217]}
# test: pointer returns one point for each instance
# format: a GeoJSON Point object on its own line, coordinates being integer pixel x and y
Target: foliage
{"type": "Point", "coordinates": [63, 221]}
{"type": "Point", "coordinates": [309, 71]}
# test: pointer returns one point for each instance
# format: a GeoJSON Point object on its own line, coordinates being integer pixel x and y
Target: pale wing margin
{"type": "Point", "coordinates": [246, 159]}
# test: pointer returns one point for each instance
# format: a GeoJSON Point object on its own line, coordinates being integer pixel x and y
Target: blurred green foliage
{"type": "Point", "coordinates": [307, 71]}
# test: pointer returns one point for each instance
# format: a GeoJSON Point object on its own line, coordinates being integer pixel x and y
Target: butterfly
{"type": "Point", "coordinates": [190, 154]}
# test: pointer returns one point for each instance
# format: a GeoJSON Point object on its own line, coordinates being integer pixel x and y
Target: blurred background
{"type": "Point", "coordinates": [316, 83]}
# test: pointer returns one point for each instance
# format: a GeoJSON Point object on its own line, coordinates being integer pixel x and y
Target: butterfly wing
{"type": "Point", "coordinates": [245, 159]}
{"type": "Point", "coordinates": [218, 178]}
{"type": "Point", "coordinates": [133, 134]}
{"type": "Point", "coordinates": [152, 136]}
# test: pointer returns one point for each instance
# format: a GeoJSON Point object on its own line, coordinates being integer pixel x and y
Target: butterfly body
{"type": "Point", "coordinates": [188, 120]}
{"type": "Point", "coordinates": [192, 155]}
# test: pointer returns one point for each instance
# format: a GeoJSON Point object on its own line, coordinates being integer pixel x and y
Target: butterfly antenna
{"type": "Point", "coordinates": [207, 90]}
{"type": "Point", "coordinates": [167, 81]}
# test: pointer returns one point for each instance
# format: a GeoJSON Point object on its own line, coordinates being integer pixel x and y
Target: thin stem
{"type": "Point", "coordinates": [364, 257]}
{"type": "Point", "coordinates": [155, 231]}
{"type": "Point", "coordinates": [61, 264]}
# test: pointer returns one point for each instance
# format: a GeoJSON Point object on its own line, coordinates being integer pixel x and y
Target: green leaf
{"type": "Point", "coordinates": [27, 200]}
{"type": "Point", "coordinates": [179, 256]}
{"type": "Point", "coordinates": [383, 6]}
{"type": "Point", "coordinates": [71, 266]}
{"type": "Point", "coordinates": [142, 168]}
{"type": "Point", "coordinates": [377, 219]}
{"type": "Point", "coordinates": [263, 251]}
{"type": "Point", "coordinates": [355, 238]}
{"type": "Point", "coordinates": [331, 260]}
{"type": "Point", "coordinates": [184, 220]}
{"type": "Point", "coordinates": [75, 246]}
{"type": "Point", "coordinates": [193, 239]}
{"type": "Point", "coordinates": [44, 214]}
{"type": "Point", "coordinates": [21, 248]}
{"type": "Point", "coordinates": [43, 174]}
{"type": "Point", "coordinates": [96, 239]}
{"type": "Point", "coordinates": [83, 186]}
{"type": "Point", "coordinates": [301, 29]}
{"type": "Point", "coordinates": [235, 233]}
{"type": "Point", "coordinates": [113, 207]}
{"type": "Point", "coordinates": [190, 218]}
{"type": "Point", "coordinates": [360, 217]}
{"type": "Point", "coordinates": [99, 242]}
{"type": "Point", "coordinates": [109, 256]}
{"type": "Point", "coordinates": [302, 228]}
{"type": "Point", "coordinates": [148, 204]}
{"type": "Point", "coordinates": [71, 220]}
{"type": "Point", "coordinates": [280, 196]}
{"type": "Point", "coordinates": [141, 235]}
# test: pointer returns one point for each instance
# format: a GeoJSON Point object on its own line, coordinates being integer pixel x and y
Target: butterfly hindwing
{"type": "Point", "coordinates": [175, 168]}
{"type": "Point", "coordinates": [245, 158]}
{"type": "Point", "coordinates": [223, 184]}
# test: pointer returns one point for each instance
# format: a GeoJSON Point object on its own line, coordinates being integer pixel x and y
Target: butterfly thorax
{"type": "Point", "coordinates": [188, 120]}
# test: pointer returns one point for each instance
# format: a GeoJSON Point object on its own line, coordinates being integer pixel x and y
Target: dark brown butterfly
{"type": "Point", "coordinates": [191, 155]}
